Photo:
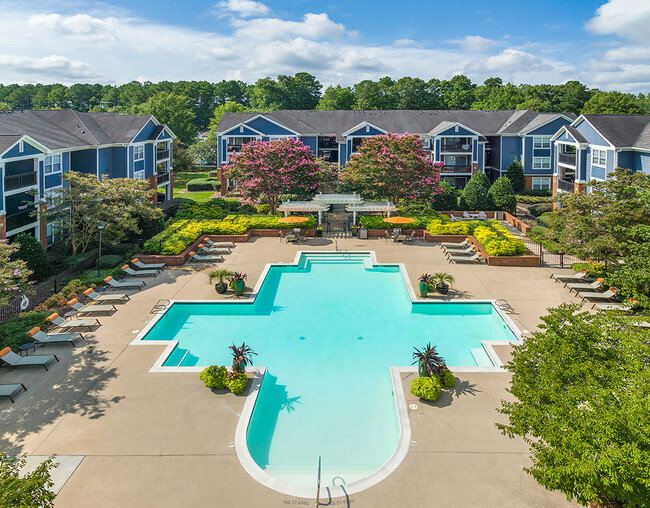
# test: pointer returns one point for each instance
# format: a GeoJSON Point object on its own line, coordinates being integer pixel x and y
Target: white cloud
{"type": "Point", "coordinates": [313, 26]}
{"type": "Point", "coordinates": [626, 18]}
{"type": "Point", "coordinates": [508, 61]}
{"type": "Point", "coordinates": [475, 43]}
{"type": "Point", "coordinates": [77, 25]}
{"type": "Point", "coordinates": [628, 54]}
{"type": "Point", "coordinates": [400, 43]}
{"type": "Point", "coordinates": [50, 66]}
{"type": "Point", "coordinates": [243, 8]}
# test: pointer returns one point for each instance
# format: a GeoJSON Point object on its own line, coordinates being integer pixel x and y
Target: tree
{"type": "Point", "coordinates": [502, 195]}
{"type": "Point", "coordinates": [612, 103]}
{"type": "Point", "coordinates": [83, 202]}
{"type": "Point", "coordinates": [274, 168]}
{"type": "Point", "coordinates": [370, 94]}
{"type": "Point", "coordinates": [458, 92]}
{"type": "Point", "coordinates": [336, 97]}
{"type": "Point", "coordinates": [515, 173]}
{"type": "Point", "coordinates": [14, 274]}
{"type": "Point", "coordinates": [632, 277]}
{"type": "Point", "coordinates": [21, 489]}
{"type": "Point", "coordinates": [206, 150]}
{"type": "Point", "coordinates": [228, 107]}
{"type": "Point", "coordinates": [32, 252]}
{"type": "Point", "coordinates": [301, 91]}
{"type": "Point", "coordinates": [392, 167]}
{"type": "Point", "coordinates": [581, 389]}
{"type": "Point", "coordinates": [172, 110]}
{"type": "Point", "coordinates": [475, 193]}
{"type": "Point", "coordinates": [447, 199]}
{"type": "Point", "coordinates": [182, 159]}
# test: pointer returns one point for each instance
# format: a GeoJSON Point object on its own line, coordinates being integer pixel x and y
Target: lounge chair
{"type": "Point", "coordinates": [11, 390]}
{"type": "Point", "coordinates": [464, 243]}
{"type": "Point", "coordinates": [453, 218]}
{"type": "Point", "coordinates": [58, 321]}
{"type": "Point", "coordinates": [90, 309]}
{"type": "Point", "coordinates": [198, 257]}
{"type": "Point", "coordinates": [219, 244]}
{"type": "Point", "coordinates": [110, 297]}
{"type": "Point", "coordinates": [577, 286]}
{"type": "Point", "coordinates": [14, 360]}
{"type": "Point", "coordinates": [214, 250]}
{"type": "Point", "coordinates": [459, 252]}
{"type": "Point", "coordinates": [612, 306]}
{"type": "Point", "coordinates": [607, 295]}
{"type": "Point", "coordinates": [137, 284]}
{"type": "Point", "coordinates": [465, 259]}
{"type": "Point", "coordinates": [41, 337]}
{"type": "Point", "coordinates": [140, 273]}
{"type": "Point", "coordinates": [147, 266]}
{"type": "Point", "coordinates": [570, 276]}
{"type": "Point", "coordinates": [481, 215]}
{"type": "Point", "coordinates": [463, 248]}
{"type": "Point", "coordinates": [411, 237]}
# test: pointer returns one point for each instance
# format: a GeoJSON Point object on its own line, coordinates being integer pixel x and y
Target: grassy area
{"type": "Point", "coordinates": [199, 197]}
{"type": "Point", "coordinates": [180, 179]}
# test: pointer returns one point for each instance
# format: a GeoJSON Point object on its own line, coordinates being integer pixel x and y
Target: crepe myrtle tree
{"type": "Point", "coordinates": [274, 168]}
{"type": "Point", "coordinates": [392, 167]}
{"type": "Point", "coordinates": [14, 274]}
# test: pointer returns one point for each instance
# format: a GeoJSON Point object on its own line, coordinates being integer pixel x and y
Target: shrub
{"type": "Point", "coordinates": [264, 209]}
{"type": "Point", "coordinates": [202, 184]}
{"type": "Point", "coordinates": [427, 388]}
{"type": "Point", "coordinates": [447, 199]}
{"type": "Point", "coordinates": [538, 193]}
{"type": "Point", "coordinates": [207, 210]}
{"type": "Point", "coordinates": [502, 195]}
{"type": "Point", "coordinates": [438, 227]}
{"type": "Point", "coordinates": [70, 261]}
{"type": "Point", "coordinates": [228, 205]}
{"type": "Point", "coordinates": [449, 379]}
{"type": "Point", "coordinates": [110, 261]}
{"type": "Point", "coordinates": [540, 209]}
{"type": "Point", "coordinates": [475, 193]}
{"type": "Point", "coordinates": [238, 384]}
{"type": "Point", "coordinates": [214, 377]}
{"type": "Point", "coordinates": [247, 209]}
{"type": "Point", "coordinates": [12, 333]}
{"type": "Point", "coordinates": [531, 200]}
{"type": "Point", "coordinates": [538, 230]}
{"type": "Point", "coordinates": [501, 248]}
{"type": "Point", "coordinates": [376, 222]}
{"type": "Point", "coordinates": [213, 175]}
{"type": "Point", "coordinates": [32, 252]}
{"type": "Point", "coordinates": [170, 207]}
{"type": "Point", "coordinates": [515, 173]}
{"type": "Point", "coordinates": [21, 488]}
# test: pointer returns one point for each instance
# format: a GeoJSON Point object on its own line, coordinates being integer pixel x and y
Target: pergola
{"type": "Point", "coordinates": [338, 199]}
{"type": "Point", "coordinates": [370, 206]}
{"type": "Point", "coordinates": [305, 207]}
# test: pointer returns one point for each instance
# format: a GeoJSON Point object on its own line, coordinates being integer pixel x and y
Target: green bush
{"type": "Point", "coordinates": [264, 209]}
{"type": "Point", "coordinates": [79, 258]}
{"type": "Point", "coordinates": [447, 199]}
{"type": "Point", "coordinates": [247, 209]}
{"type": "Point", "coordinates": [32, 252]}
{"type": "Point", "coordinates": [170, 207]}
{"type": "Point", "coordinates": [202, 184]}
{"type": "Point", "coordinates": [449, 379]}
{"type": "Point", "coordinates": [238, 385]}
{"type": "Point", "coordinates": [213, 175]}
{"type": "Point", "coordinates": [538, 230]}
{"type": "Point", "coordinates": [475, 193]}
{"type": "Point", "coordinates": [505, 243]}
{"type": "Point", "coordinates": [539, 193]}
{"type": "Point", "coordinates": [427, 388]}
{"type": "Point", "coordinates": [206, 210]}
{"type": "Point", "coordinates": [439, 227]}
{"type": "Point", "coordinates": [377, 222]}
{"type": "Point", "coordinates": [214, 377]}
{"type": "Point", "coordinates": [515, 173]}
{"type": "Point", "coordinates": [531, 200]}
{"type": "Point", "coordinates": [13, 332]}
{"type": "Point", "coordinates": [502, 195]}
{"type": "Point", "coordinates": [111, 261]}
{"type": "Point", "coordinates": [540, 209]}
{"type": "Point", "coordinates": [228, 205]}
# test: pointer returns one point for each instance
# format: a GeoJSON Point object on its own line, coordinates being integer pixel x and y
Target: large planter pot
{"type": "Point", "coordinates": [442, 288]}
{"type": "Point", "coordinates": [239, 287]}
{"type": "Point", "coordinates": [424, 289]}
{"type": "Point", "coordinates": [319, 233]}
{"type": "Point", "coordinates": [221, 288]}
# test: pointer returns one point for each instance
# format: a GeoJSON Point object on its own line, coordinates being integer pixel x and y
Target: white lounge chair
{"type": "Point", "coordinates": [147, 266]}
{"type": "Point", "coordinates": [219, 244]}
{"type": "Point", "coordinates": [11, 390]}
{"type": "Point", "coordinates": [90, 309]}
{"type": "Point", "coordinates": [110, 297]}
{"type": "Point", "coordinates": [11, 358]}
{"type": "Point", "coordinates": [464, 243]}
{"type": "Point", "coordinates": [58, 321]}
{"type": "Point", "coordinates": [607, 295]}
{"type": "Point", "coordinates": [481, 215]}
{"type": "Point", "coordinates": [570, 276]}
{"type": "Point", "coordinates": [577, 286]}
{"type": "Point", "coordinates": [465, 259]}
{"type": "Point", "coordinates": [198, 257]}
{"type": "Point", "coordinates": [624, 307]}
{"type": "Point", "coordinates": [453, 218]}
{"type": "Point", "coordinates": [214, 250]}
{"type": "Point", "coordinates": [140, 273]}
{"type": "Point", "coordinates": [41, 337]}
{"type": "Point", "coordinates": [136, 284]}
{"type": "Point", "coordinates": [459, 252]}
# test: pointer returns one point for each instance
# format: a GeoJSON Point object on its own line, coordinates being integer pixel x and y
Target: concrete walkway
{"type": "Point", "coordinates": [163, 439]}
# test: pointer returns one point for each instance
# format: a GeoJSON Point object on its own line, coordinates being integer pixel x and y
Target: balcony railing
{"type": "Point", "coordinates": [456, 168]}
{"type": "Point", "coordinates": [19, 181]}
{"type": "Point", "coordinates": [456, 147]}
{"type": "Point", "coordinates": [162, 154]}
{"type": "Point", "coordinates": [163, 178]}
{"type": "Point", "coordinates": [567, 158]}
{"type": "Point", "coordinates": [564, 185]}
{"type": "Point", "coordinates": [21, 219]}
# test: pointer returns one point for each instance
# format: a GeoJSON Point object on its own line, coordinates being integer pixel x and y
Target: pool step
{"type": "Point", "coordinates": [481, 357]}
{"type": "Point", "coordinates": [337, 258]}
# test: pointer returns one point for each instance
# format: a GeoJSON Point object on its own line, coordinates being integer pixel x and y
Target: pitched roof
{"type": "Point", "coordinates": [575, 134]}
{"type": "Point", "coordinates": [317, 122]}
{"type": "Point", "coordinates": [8, 140]}
{"type": "Point", "coordinates": [623, 130]}
{"type": "Point", "coordinates": [66, 128]}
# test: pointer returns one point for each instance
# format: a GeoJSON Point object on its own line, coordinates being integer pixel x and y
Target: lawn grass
{"type": "Point", "coordinates": [181, 179]}
{"type": "Point", "coordinates": [199, 197]}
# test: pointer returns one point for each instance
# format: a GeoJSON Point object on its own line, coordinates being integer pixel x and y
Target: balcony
{"type": "Point", "coordinates": [19, 181]}
{"type": "Point", "coordinates": [567, 158]}
{"type": "Point", "coordinates": [162, 178]}
{"type": "Point", "coordinates": [565, 186]}
{"type": "Point", "coordinates": [162, 154]}
{"type": "Point", "coordinates": [21, 219]}
{"type": "Point", "coordinates": [456, 168]}
{"type": "Point", "coordinates": [456, 147]}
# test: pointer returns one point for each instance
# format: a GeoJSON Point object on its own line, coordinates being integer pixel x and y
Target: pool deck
{"type": "Point", "coordinates": [127, 437]}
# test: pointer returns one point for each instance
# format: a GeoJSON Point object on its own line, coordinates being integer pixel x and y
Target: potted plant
{"type": "Point", "coordinates": [241, 356]}
{"type": "Point", "coordinates": [238, 279]}
{"type": "Point", "coordinates": [443, 282]}
{"type": "Point", "coordinates": [423, 284]}
{"type": "Point", "coordinates": [429, 362]}
{"type": "Point", "coordinates": [220, 287]}
{"type": "Point", "coordinates": [319, 231]}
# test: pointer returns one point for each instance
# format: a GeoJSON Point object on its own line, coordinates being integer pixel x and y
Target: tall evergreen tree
{"type": "Point", "coordinates": [515, 173]}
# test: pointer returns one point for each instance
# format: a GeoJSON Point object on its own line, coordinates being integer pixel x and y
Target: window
{"type": "Point", "coordinates": [541, 142]}
{"type": "Point", "coordinates": [541, 183]}
{"type": "Point", "coordinates": [138, 153]}
{"type": "Point", "coordinates": [599, 157]}
{"type": "Point", "coordinates": [139, 175]}
{"type": "Point", "coordinates": [541, 163]}
{"type": "Point", "coordinates": [52, 164]}
{"type": "Point", "coordinates": [356, 143]}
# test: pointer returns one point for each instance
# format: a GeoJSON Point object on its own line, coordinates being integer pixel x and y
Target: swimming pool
{"type": "Point", "coordinates": [327, 329]}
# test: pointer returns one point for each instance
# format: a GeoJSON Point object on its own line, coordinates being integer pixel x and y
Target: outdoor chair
{"type": "Point", "coordinates": [137, 284]}
{"type": "Point", "coordinates": [454, 244]}
{"type": "Point", "coordinates": [148, 266]}
{"type": "Point", "coordinates": [14, 360]}
{"type": "Point", "coordinates": [140, 273]}
{"type": "Point", "coordinates": [219, 244]}
{"type": "Point", "coordinates": [467, 216]}
{"type": "Point", "coordinates": [624, 307]}
{"type": "Point", "coordinates": [90, 309]}
{"type": "Point", "coordinates": [41, 337]}
{"type": "Point", "coordinates": [459, 252]}
{"type": "Point", "coordinates": [114, 297]}
{"type": "Point", "coordinates": [610, 294]}
{"type": "Point", "coordinates": [481, 215]}
{"type": "Point", "coordinates": [577, 286]}
{"type": "Point", "coordinates": [214, 250]}
{"type": "Point", "coordinates": [198, 257]}
{"type": "Point", "coordinates": [59, 322]}
{"type": "Point", "coordinates": [453, 218]}
{"type": "Point", "coordinates": [465, 259]}
{"type": "Point", "coordinates": [570, 276]}
{"type": "Point", "coordinates": [411, 237]}
{"type": "Point", "coordinates": [11, 390]}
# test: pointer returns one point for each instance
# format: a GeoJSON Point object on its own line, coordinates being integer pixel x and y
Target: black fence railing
{"type": "Point", "coordinates": [456, 147]}
{"type": "Point", "coordinates": [565, 186]}
{"type": "Point", "coordinates": [456, 168]}
{"type": "Point", "coordinates": [567, 158]}
{"type": "Point", "coordinates": [162, 178]}
{"type": "Point", "coordinates": [162, 154]}
{"type": "Point", "coordinates": [14, 182]}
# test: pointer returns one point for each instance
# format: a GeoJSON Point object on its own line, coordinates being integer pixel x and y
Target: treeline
{"type": "Point", "coordinates": [202, 101]}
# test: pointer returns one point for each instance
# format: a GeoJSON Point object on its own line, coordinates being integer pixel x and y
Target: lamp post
{"type": "Point", "coordinates": [100, 226]}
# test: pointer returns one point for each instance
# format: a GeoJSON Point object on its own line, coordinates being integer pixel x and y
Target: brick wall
{"type": "Point", "coordinates": [515, 222]}
{"type": "Point", "coordinates": [3, 226]}
{"type": "Point", "coordinates": [171, 184]}
{"type": "Point", "coordinates": [42, 225]}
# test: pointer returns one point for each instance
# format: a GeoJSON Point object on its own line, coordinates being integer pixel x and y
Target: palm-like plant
{"type": "Point", "coordinates": [429, 361]}
{"type": "Point", "coordinates": [241, 356]}
{"type": "Point", "coordinates": [443, 278]}
{"type": "Point", "coordinates": [220, 274]}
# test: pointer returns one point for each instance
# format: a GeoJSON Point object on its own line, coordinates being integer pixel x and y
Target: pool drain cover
{"type": "Point", "coordinates": [413, 407]}
{"type": "Point", "coordinates": [414, 443]}
{"type": "Point", "coordinates": [231, 445]}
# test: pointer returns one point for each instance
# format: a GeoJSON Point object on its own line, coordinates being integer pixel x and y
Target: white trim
{"type": "Point", "coordinates": [434, 132]}
{"type": "Point", "coordinates": [239, 134]}
{"type": "Point", "coordinates": [347, 133]}
{"type": "Point", "coordinates": [543, 159]}
{"type": "Point", "coordinates": [594, 128]}
{"type": "Point", "coordinates": [542, 138]}
{"type": "Point", "coordinates": [275, 122]}
{"type": "Point", "coordinates": [600, 149]}
{"type": "Point", "coordinates": [546, 123]}
{"type": "Point", "coordinates": [31, 141]}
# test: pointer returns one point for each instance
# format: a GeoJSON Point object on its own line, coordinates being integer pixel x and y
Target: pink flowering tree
{"type": "Point", "coordinates": [392, 167]}
{"type": "Point", "coordinates": [14, 274]}
{"type": "Point", "coordinates": [274, 168]}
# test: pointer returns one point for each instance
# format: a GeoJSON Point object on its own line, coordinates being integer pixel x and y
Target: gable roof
{"type": "Point", "coordinates": [622, 130]}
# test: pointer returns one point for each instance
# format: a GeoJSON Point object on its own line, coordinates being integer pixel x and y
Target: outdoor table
{"type": "Point", "coordinates": [26, 347]}
{"type": "Point", "coordinates": [400, 238]}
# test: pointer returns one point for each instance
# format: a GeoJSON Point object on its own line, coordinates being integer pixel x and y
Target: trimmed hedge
{"type": "Point", "coordinates": [376, 222]}
{"type": "Point", "coordinates": [206, 210]}
{"type": "Point", "coordinates": [495, 243]}
{"type": "Point", "coordinates": [531, 200]}
{"type": "Point", "coordinates": [541, 209]}
{"type": "Point", "coordinates": [202, 184]}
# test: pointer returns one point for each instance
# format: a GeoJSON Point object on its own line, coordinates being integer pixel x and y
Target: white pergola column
{"type": "Point", "coordinates": [354, 217]}
{"type": "Point", "coordinates": [320, 217]}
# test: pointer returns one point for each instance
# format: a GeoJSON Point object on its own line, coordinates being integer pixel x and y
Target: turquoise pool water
{"type": "Point", "coordinates": [327, 331]}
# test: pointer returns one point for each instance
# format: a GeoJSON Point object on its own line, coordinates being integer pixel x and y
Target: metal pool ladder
{"type": "Point", "coordinates": [318, 485]}
{"type": "Point", "coordinates": [160, 307]}
{"type": "Point", "coordinates": [505, 306]}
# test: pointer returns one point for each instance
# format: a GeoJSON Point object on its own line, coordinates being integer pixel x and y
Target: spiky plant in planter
{"type": "Point", "coordinates": [238, 279]}
{"type": "Point", "coordinates": [429, 361]}
{"type": "Point", "coordinates": [423, 284]}
{"type": "Point", "coordinates": [241, 356]}
{"type": "Point", "coordinates": [443, 281]}
{"type": "Point", "coordinates": [221, 274]}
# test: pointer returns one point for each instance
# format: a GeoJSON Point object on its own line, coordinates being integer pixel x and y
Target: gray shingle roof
{"type": "Point", "coordinates": [397, 121]}
{"type": "Point", "coordinates": [623, 130]}
{"type": "Point", "coordinates": [59, 129]}
{"type": "Point", "coordinates": [7, 141]}
{"type": "Point", "coordinates": [575, 134]}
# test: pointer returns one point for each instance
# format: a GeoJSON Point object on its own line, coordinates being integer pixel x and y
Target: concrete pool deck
{"type": "Point", "coordinates": [163, 439]}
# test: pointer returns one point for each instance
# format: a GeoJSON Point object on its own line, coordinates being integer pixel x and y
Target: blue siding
{"type": "Point", "coordinates": [437, 153]}
{"type": "Point", "coordinates": [480, 158]}
{"type": "Point", "coordinates": [40, 176]}
{"type": "Point", "coordinates": [584, 162]}
{"type": "Point", "coordinates": [148, 159]}
{"type": "Point", "coordinates": [311, 142]}
{"type": "Point", "coordinates": [343, 153]}
{"type": "Point", "coordinates": [610, 161]}
{"type": "Point", "coordinates": [362, 132]}
{"type": "Point", "coordinates": [53, 181]}
{"type": "Point", "coordinates": [28, 150]}
{"type": "Point", "coordinates": [130, 162]}
{"type": "Point", "coordinates": [1, 193]}
{"type": "Point", "coordinates": [475, 150]}
{"type": "Point", "coordinates": [241, 131]}
{"type": "Point", "coordinates": [263, 125]}
{"type": "Point", "coordinates": [541, 152]}
{"type": "Point", "coordinates": [566, 137]}
{"type": "Point", "coordinates": [590, 134]}
{"type": "Point", "coordinates": [453, 132]}
{"type": "Point", "coordinates": [65, 161]}
{"type": "Point", "coordinates": [511, 146]}
{"type": "Point", "coordinates": [642, 161]}
{"type": "Point", "coordinates": [550, 128]}
{"type": "Point", "coordinates": [164, 135]}
{"type": "Point", "coordinates": [626, 160]}
{"type": "Point", "coordinates": [222, 151]}
{"type": "Point", "coordinates": [105, 160]}
{"type": "Point", "coordinates": [84, 161]}
{"type": "Point", "coordinates": [118, 162]}
{"type": "Point", "coordinates": [528, 155]}
{"type": "Point", "coordinates": [145, 132]}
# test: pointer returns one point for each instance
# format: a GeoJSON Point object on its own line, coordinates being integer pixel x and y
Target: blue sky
{"type": "Point", "coordinates": [604, 44]}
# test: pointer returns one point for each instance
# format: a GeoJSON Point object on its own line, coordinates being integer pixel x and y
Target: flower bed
{"type": "Point", "coordinates": [377, 222]}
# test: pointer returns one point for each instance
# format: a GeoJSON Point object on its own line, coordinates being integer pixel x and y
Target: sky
{"type": "Point", "coordinates": [604, 44]}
